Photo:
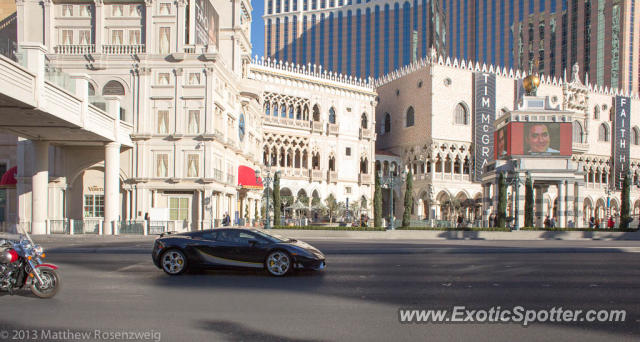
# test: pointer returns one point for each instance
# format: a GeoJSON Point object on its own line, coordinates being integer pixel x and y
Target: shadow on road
{"type": "Point", "coordinates": [238, 332]}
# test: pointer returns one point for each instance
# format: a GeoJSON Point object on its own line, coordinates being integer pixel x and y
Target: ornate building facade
{"type": "Point", "coordinates": [176, 72]}
{"type": "Point", "coordinates": [428, 115]}
{"type": "Point", "coordinates": [319, 133]}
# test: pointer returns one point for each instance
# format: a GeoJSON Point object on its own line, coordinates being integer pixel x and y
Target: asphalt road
{"type": "Point", "coordinates": [113, 286]}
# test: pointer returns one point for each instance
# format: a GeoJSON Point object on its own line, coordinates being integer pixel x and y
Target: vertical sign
{"type": "Point", "coordinates": [621, 140]}
{"type": "Point", "coordinates": [484, 115]}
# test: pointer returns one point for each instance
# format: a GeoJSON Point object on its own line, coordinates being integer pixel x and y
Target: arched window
{"type": "Point", "coordinates": [410, 117]}
{"type": "Point", "coordinates": [462, 118]}
{"type": "Point", "coordinates": [275, 109]}
{"type": "Point", "coordinates": [596, 112]}
{"type": "Point", "coordinates": [316, 113]}
{"type": "Point", "coordinates": [577, 132]}
{"type": "Point", "coordinates": [332, 163]}
{"type": "Point", "coordinates": [364, 166]}
{"type": "Point", "coordinates": [603, 132]}
{"type": "Point", "coordinates": [267, 108]}
{"type": "Point", "coordinates": [291, 112]}
{"type": "Point", "coordinates": [283, 111]}
{"type": "Point", "coordinates": [387, 123]}
{"type": "Point", "coordinates": [298, 113]}
{"type": "Point", "coordinates": [635, 136]}
{"type": "Point", "coordinates": [113, 88]}
{"type": "Point", "coordinates": [332, 115]}
{"type": "Point", "coordinates": [363, 121]}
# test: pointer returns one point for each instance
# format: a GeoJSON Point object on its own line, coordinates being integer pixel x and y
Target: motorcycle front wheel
{"type": "Point", "coordinates": [51, 283]}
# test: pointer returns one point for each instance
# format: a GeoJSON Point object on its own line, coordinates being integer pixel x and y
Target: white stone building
{"type": "Point", "coordinates": [425, 115]}
{"type": "Point", "coordinates": [318, 132]}
{"type": "Point", "coordinates": [175, 72]}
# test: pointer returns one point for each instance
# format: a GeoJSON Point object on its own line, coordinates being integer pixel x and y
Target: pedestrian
{"type": "Point", "coordinates": [547, 222]}
{"type": "Point", "coordinates": [610, 223]}
{"type": "Point", "coordinates": [460, 220]}
{"type": "Point", "coordinates": [226, 219]}
{"type": "Point", "coordinates": [552, 222]}
{"type": "Point", "coordinates": [597, 224]}
{"type": "Point", "coordinates": [592, 222]}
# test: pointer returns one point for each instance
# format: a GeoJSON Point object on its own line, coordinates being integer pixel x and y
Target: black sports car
{"type": "Point", "coordinates": [234, 247]}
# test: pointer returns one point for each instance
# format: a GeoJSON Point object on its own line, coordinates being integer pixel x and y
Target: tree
{"type": "Point", "coordinates": [528, 203]}
{"type": "Point", "coordinates": [502, 202]}
{"type": "Point", "coordinates": [377, 204]}
{"type": "Point", "coordinates": [625, 218]}
{"type": "Point", "coordinates": [408, 201]}
{"type": "Point", "coordinates": [332, 207]}
{"type": "Point", "coordinates": [276, 199]}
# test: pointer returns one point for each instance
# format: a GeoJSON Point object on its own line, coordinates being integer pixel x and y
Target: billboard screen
{"type": "Point", "coordinates": [533, 139]}
{"type": "Point", "coordinates": [206, 23]}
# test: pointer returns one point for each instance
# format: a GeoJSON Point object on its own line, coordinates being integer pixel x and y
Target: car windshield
{"type": "Point", "coordinates": [270, 236]}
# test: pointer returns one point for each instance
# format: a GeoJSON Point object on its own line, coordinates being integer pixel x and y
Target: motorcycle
{"type": "Point", "coordinates": [21, 267]}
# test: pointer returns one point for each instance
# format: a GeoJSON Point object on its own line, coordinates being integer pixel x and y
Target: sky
{"type": "Point", "coordinates": [257, 28]}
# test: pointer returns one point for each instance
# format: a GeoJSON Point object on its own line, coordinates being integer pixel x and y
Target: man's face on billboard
{"type": "Point", "coordinates": [501, 142]}
{"type": "Point", "coordinates": [538, 138]}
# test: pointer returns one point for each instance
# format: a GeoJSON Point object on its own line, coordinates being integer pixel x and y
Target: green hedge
{"type": "Point", "coordinates": [605, 230]}
{"type": "Point", "coordinates": [367, 229]}
{"type": "Point", "coordinates": [466, 229]}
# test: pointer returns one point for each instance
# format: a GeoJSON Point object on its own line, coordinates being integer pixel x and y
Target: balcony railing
{"type": "Point", "coordinates": [316, 175]}
{"type": "Point", "coordinates": [365, 133]}
{"type": "Point", "coordinates": [333, 129]}
{"type": "Point", "coordinates": [217, 175]}
{"type": "Point", "coordinates": [316, 126]}
{"type": "Point", "coordinates": [287, 122]}
{"type": "Point", "coordinates": [365, 178]}
{"type": "Point", "coordinates": [580, 147]}
{"type": "Point", "coordinates": [332, 176]}
{"type": "Point", "coordinates": [123, 49]}
{"type": "Point", "coordinates": [230, 179]}
{"type": "Point", "coordinates": [75, 49]}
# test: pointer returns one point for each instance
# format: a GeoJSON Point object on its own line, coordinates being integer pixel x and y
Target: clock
{"type": "Point", "coordinates": [241, 128]}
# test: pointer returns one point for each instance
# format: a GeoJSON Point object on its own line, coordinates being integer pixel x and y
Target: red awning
{"type": "Point", "coordinates": [8, 180]}
{"type": "Point", "coordinates": [247, 178]}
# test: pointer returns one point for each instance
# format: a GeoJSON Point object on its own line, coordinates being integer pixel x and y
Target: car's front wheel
{"type": "Point", "coordinates": [173, 262]}
{"type": "Point", "coordinates": [278, 263]}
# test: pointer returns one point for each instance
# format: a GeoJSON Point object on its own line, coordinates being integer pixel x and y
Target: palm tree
{"type": "Point", "coordinates": [332, 207]}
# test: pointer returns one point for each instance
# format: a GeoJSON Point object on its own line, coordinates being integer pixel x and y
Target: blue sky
{"type": "Point", "coordinates": [257, 28]}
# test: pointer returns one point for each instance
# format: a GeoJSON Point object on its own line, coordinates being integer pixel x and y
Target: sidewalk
{"type": "Point", "coordinates": [388, 235]}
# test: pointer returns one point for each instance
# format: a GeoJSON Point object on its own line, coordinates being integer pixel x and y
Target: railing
{"type": "Point", "coordinates": [123, 49]}
{"type": "Point", "coordinates": [86, 226]}
{"type": "Point", "coordinates": [333, 176]}
{"type": "Point", "coordinates": [217, 175]}
{"type": "Point", "coordinates": [365, 178]}
{"type": "Point", "coordinates": [287, 122]}
{"type": "Point", "coordinates": [316, 126]}
{"type": "Point", "coordinates": [230, 179]}
{"type": "Point", "coordinates": [8, 48]}
{"type": "Point", "coordinates": [59, 226]}
{"type": "Point", "coordinates": [333, 129]}
{"type": "Point", "coordinates": [316, 175]}
{"type": "Point", "coordinates": [131, 227]}
{"type": "Point", "coordinates": [61, 79]}
{"type": "Point", "coordinates": [580, 147]}
{"type": "Point", "coordinates": [15, 228]}
{"type": "Point", "coordinates": [75, 49]}
{"type": "Point", "coordinates": [189, 49]}
{"type": "Point", "coordinates": [365, 133]}
{"type": "Point", "coordinates": [158, 227]}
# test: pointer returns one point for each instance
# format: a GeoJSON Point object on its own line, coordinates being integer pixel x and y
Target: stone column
{"type": "Point", "coordinates": [180, 27]}
{"type": "Point", "coordinates": [539, 201]}
{"type": "Point", "coordinates": [39, 187]}
{"type": "Point", "coordinates": [579, 213]}
{"type": "Point", "coordinates": [148, 28]}
{"type": "Point", "coordinates": [570, 203]}
{"type": "Point", "coordinates": [111, 187]}
{"type": "Point", "coordinates": [99, 29]}
{"type": "Point", "coordinates": [520, 200]}
{"type": "Point", "coordinates": [48, 25]}
{"type": "Point", "coordinates": [561, 216]}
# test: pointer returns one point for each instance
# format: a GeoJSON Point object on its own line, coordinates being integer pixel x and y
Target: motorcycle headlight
{"type": "Point", "coordinates": [38, 250]}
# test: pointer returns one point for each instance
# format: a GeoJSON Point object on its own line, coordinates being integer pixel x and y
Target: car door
{"type": "Point", "coordinates": [252, 248]}
{"type": "Point", "coordinates": [208, 248]}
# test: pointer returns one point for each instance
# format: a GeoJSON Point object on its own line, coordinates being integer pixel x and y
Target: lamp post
{"type": "Point", "coordinates": [515, 181]}
{"type": "Point", "coordinates": [267, 182]}
{"type": "Point", "coordinates": [390, 182]}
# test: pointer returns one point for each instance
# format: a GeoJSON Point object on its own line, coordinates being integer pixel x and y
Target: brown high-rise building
{"type": "Point", "coordinates": [371, 38]}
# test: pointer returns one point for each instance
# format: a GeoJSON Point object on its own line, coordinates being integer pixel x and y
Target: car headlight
{"type": "Point", "coordinates": [38, 250]}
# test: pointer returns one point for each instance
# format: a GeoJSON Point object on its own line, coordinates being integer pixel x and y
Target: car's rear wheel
{"type": "Point", "coordinates": [278, 263]}
{"type": "Point", "coordinates": [173, 262]}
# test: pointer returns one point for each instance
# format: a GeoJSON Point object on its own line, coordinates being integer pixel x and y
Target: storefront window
{"type": "Point", "coordinates": [93, 206]}
{"type": "Point", "coordinates": [178, 208]}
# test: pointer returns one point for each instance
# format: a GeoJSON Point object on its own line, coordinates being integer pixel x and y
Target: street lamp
{"type": "Point", "coordinates": [390, 182]}
{"type": "Point", "coordinates": [266, 181]}
{"type": "Point", "coordinates": [515, 181]}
